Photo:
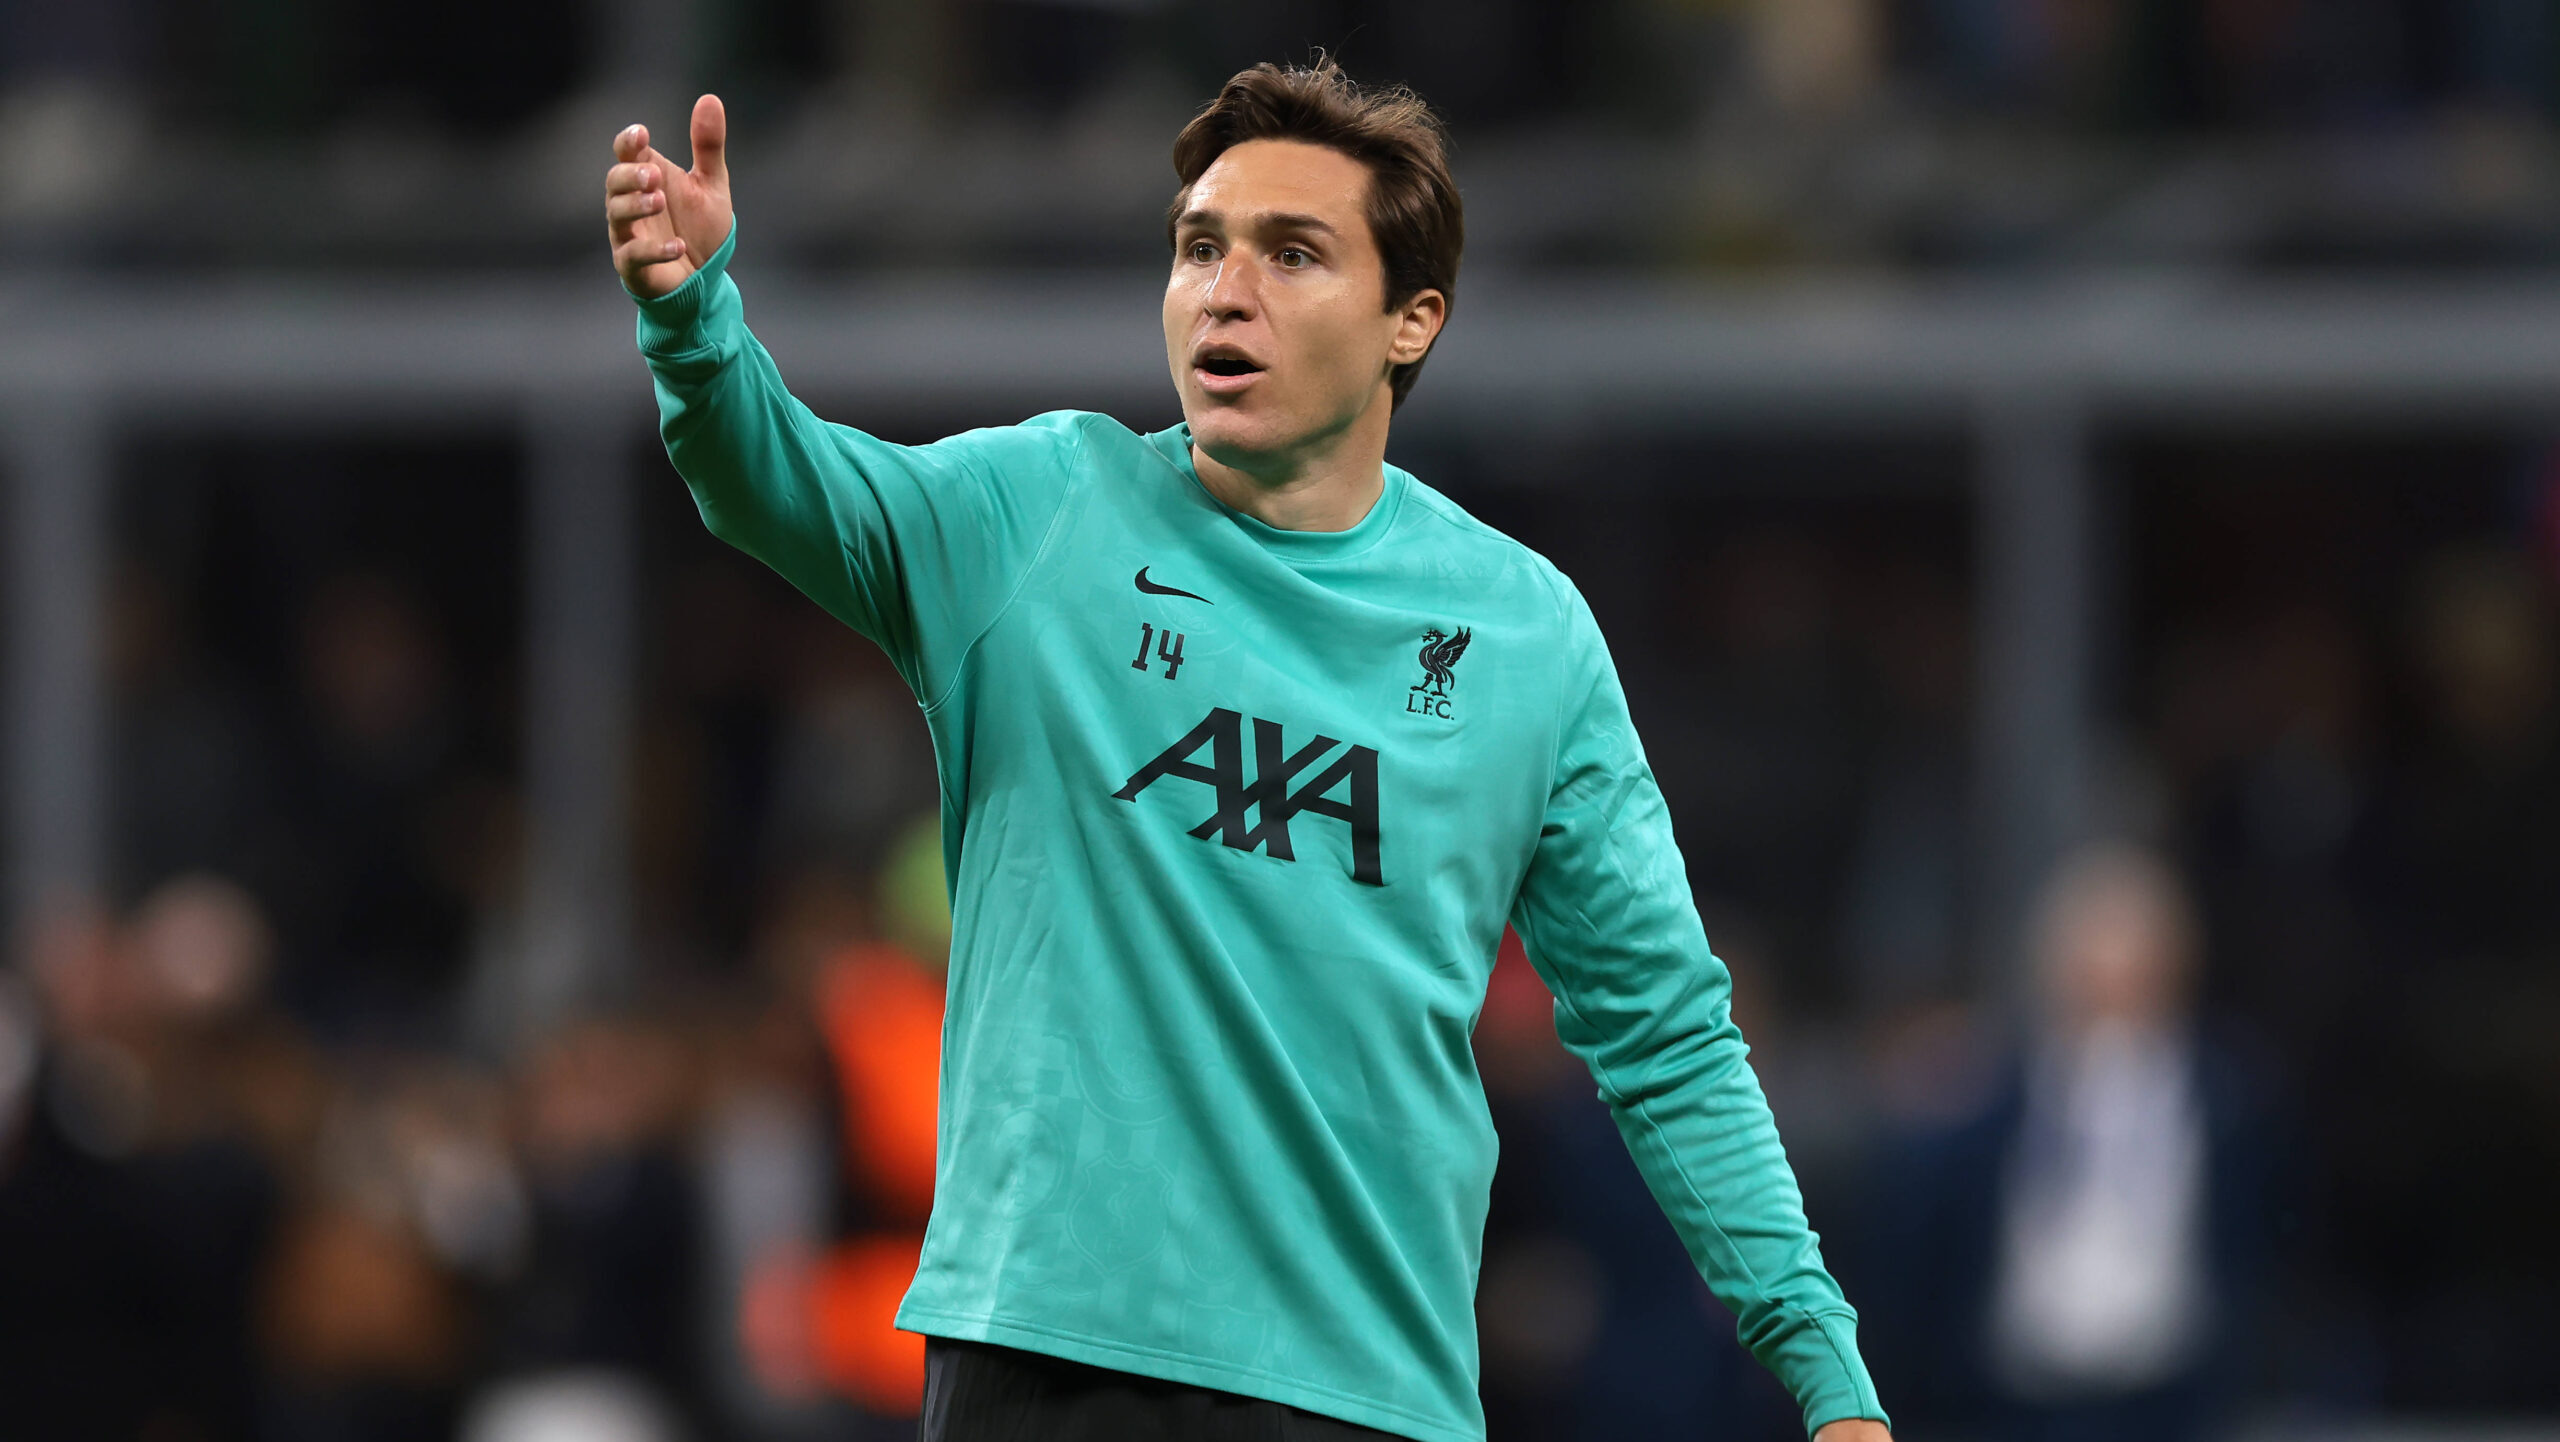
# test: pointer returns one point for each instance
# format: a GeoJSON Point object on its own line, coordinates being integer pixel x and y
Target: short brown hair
{"type": "Point", "coordinates": [1414, 213]}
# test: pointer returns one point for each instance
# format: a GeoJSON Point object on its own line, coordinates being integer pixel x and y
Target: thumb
{"type": "Point", "coordinates": [710, 141]}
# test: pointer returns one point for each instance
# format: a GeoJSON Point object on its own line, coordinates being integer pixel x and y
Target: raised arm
{"type": "Point", "coordinates": [916, 547]}
{"type": "Point", "coordinates": [1606, 915]}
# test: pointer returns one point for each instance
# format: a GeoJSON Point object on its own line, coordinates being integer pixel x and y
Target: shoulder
{"type": "Point", "coordinates": [1493, 564]}
{"type": "Point", "coordinates": [1054, 441]}
{"type": "Point", "coordinates": [1045, 459]}
{"type": "Point", "coordinates": [1094, 435]}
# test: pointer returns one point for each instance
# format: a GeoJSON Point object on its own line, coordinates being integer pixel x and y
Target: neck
{"type": "Point", "coordinates": [1326, 485]}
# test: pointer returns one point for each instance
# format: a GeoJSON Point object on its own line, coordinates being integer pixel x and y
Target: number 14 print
{"type": "Point", "coordinates": [1168, 650]}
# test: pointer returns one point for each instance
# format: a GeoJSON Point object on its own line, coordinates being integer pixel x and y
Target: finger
{"type": "Point", "coordinates": [632, 148]}
{"type": "Point", "coordinates": [622, 230]}
{"type": "Point", "coordinates": [711, 140]}
{"type": "Point", "coordinates": [627, 178]}
{"type": "Point", "coordinates": [638, 205]}
{"type": "Point", "coordinates": [641, 252]}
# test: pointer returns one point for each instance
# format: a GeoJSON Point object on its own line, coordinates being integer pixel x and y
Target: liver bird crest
{"type": "Point", "coordinates": [1440, 651]}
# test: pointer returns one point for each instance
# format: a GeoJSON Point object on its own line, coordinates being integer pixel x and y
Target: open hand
{"type": "Point", "coordinates": [665, 222]}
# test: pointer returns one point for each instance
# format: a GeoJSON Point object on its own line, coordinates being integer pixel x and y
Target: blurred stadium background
{"type": "Point", "coordinates": [2071, 485]}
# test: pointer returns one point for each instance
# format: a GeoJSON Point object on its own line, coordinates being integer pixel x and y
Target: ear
{"type": "Point", "coordinates": [1418, 323]}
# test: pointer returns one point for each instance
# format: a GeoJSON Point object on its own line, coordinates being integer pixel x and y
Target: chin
{"type": "Point", "coordinates": [1235, 438]}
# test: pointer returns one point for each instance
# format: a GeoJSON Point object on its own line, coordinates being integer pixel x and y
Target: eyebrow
{"type": "Point", "coordinates": [1269, 220]}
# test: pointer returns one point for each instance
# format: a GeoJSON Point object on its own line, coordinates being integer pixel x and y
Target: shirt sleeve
{"type": "Point", "coordinates": [917, 547]}
{"type": "Point", "coordinates": [1607, 918]}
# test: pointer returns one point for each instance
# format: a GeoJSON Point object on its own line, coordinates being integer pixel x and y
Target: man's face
{"type": "Point", "coordinates": [1275, 319]}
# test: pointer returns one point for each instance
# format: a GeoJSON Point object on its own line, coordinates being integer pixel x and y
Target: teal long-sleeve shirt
{"type": "Point", "coordinates": [1233, 818]}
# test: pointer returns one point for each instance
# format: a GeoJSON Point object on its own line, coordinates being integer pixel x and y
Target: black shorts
{"type": "Point", "coordinates": [974, 1392]}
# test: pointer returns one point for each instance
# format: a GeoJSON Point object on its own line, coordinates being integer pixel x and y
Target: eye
{"type": "Point", "coordinates": [1202, 252]}
{"type": "Point", "coordinates": [1294, 258]}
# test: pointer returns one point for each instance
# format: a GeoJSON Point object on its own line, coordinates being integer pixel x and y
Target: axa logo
{"type": "Point", "coordinates": [1257, 813]}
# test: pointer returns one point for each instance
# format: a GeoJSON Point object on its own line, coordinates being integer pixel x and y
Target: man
{"type": "Point", "coordinates": [1214, 1156]}
{"type": "Point", "coordinates": [2081, 1255]}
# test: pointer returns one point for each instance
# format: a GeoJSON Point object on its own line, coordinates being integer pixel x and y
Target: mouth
{"type": "Point", "coordinates": [1224, 369]}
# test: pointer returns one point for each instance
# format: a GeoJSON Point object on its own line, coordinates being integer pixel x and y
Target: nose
{"type": "Point", "coordinates": [1234, 292]}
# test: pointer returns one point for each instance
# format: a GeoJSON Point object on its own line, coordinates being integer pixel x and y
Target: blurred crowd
{"type": "Point", "coordinates": [284, 64]}
{"type": "Point", "coordinates": [1717, 133]}
{"type": "Point", "coordinates": [2258, 1120]}
{"type": "Point", "coordinates": [2255, 1124]}
{"type": "Point", "coordinates": [282, 1157]}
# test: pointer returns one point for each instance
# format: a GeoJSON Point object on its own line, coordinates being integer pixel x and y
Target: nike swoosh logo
{"type": "Point", "coordinates": [1152, 589]}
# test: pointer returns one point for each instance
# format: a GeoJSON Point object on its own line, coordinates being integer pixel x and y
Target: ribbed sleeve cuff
{"type": "Point", "coordinates": [1820, 1363]}
{"type": "Point", "coordinates": [672, 324]}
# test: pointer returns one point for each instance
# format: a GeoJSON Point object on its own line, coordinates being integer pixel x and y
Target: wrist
{"type": "Point", "coordinates": [671, 323]}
